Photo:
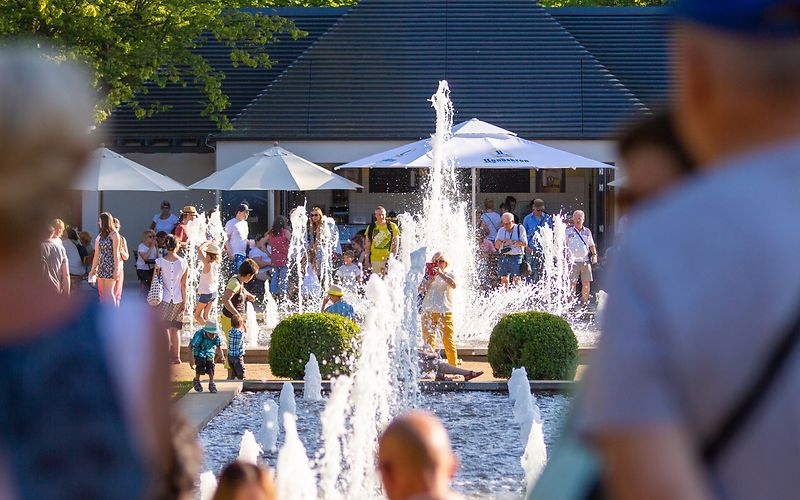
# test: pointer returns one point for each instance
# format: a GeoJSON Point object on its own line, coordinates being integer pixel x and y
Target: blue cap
{"type": "Point", "coordinates": [762, 18]}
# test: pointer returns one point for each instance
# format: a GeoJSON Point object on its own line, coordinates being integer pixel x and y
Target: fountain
{"type": "Point", "coordinates": [268, 434]}
{"type": "Point", "coordinates": [384, 379]}
{"type": "Point", "coordinates": [251, 324]}
{"type": "Point", "coordinates": [295, 479]}
{"type": "Point", "coordinates": [288, 404]}
{"type": "Point", "coordinates": [208, 485]}
{"type": "Point", "coordinates": [249, 450]}
{"type": "Point", "coordinates": [527, 415]}
{"type": "Point", "coordinates": [312, 388]}
{"type": "Point", "coordinates": [334, 428]}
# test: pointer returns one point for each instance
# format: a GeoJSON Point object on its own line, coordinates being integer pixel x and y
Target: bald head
{"type": "Point", "coordinates": [415, 458]}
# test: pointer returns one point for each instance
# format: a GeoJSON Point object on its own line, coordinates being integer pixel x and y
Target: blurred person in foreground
{"type": "Point", "coordinates": [695, 311]}
{"type": "Point", "coordinates": [243, 481]}
{"type": "Point", "coordinates": [654, 161]}
{"type": "Point", "coordinates": [80, 417]}
{"type": "Point", "coordinates": [415, 459]}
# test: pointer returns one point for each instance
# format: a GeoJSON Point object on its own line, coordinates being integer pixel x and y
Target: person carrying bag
{"type": "Point", "coordinates": [574, 471]}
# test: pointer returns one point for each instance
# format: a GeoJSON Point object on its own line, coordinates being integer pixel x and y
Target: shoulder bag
{"type": "Point", "coordinates": [573, 472]}
{"type": "Point", "coordinates": [156, 293]}
{"type": "Point", "coordinates": [524, 266]}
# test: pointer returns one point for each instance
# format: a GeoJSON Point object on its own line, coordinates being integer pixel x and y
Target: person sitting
{"type": "Point", "coordinates": [240, 480]}
{"type": "Point", "coordinates": [415, 459]}
{"type": "Point", "coordinates": [431, 363]}
{"type": "Point", "coordinates": [236, 348]}
{"type": "Point", "coordinates": [261, 256]}
{"type": "Point", "coordinates": [338, 304]}
{"type": "Point", "coordinates": [206, 346]}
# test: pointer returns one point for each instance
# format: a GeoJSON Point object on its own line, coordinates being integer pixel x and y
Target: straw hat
{"type": "Point", "coordinates": [188, 209]}
{"type": "Point", "coordinates": [212, 248]}
{"type": "Point", "coordinates": [335, 290]}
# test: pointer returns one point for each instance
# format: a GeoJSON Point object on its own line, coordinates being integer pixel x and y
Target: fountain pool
{"type": "Point", "coordinates": [481, 426]}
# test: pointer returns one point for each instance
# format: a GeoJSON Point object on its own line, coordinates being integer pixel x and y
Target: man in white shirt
{"type": "Point", "coordinates": [510, 242]}
{"type": "Point", "coordinates": [583, 254]}
{"type": "Point", "coordinates": [490, 220]}
{"type": "Point", "coordinates": [237, 231]}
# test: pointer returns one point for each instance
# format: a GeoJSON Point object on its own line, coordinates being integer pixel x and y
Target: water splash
{"type": "Point", "coordinates": [298, 259]}
{"type": "Point", "coordinates": [312, 388]}
{"type": "Point", "coordinates": [249, 450]}
{"type": "Point", "coordinates": [334, 430]}
{"type": "Point", "coordinates": [268, 434]}
{"type": "Point", "coordinates": [527, 415]}
{"type": "Point", "coordinates": [251, 325]}
{"type": "Point", "coordinates": [208, 485]}
{"type": "Point", "coordinates": [295, 478]}
{"type": "Point", "coordinates": [288, 404]}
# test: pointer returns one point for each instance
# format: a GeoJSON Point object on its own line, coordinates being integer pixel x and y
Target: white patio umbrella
{"type": "Point", "coordinates": [110, 171]}
{"type": "Point", "coordinates": [477, 144]}
{"type": "Point", "coordinates": [274, 170]}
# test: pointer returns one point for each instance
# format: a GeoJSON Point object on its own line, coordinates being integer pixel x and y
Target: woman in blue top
{"type": "Point", "coordinates": [83, 408]}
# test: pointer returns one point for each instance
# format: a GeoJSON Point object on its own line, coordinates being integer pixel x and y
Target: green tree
{"type": "Point", "coordinates": [129, 43]}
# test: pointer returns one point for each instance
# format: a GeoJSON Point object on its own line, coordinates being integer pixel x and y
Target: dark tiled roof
{"type": "Point", "coordinates": [509, 62]}
{"type": "Point", "coordinates": [630, 42]}
{"type": "Point", "coordinates": [183, 123]}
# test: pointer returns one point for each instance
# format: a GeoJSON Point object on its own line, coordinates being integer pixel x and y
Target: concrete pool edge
{"type": "Point", "coordinates": [259, 355]}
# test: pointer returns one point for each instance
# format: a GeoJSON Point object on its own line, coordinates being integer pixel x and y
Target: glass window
{"type": "Point", "coordinates": [505, 180]}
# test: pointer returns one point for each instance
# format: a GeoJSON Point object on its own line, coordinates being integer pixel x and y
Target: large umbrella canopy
{"type": "Point", "coordinates": [110, 171]}
{"type": "Point", "coordinates": [477, 144]}
{"type": "Point", "coordinates": [274, 170]}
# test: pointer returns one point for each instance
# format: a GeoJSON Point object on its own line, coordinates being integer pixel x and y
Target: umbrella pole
{"type": "Point", "coordinates": [101, 202]}
{"type": "Point", "coordinates": [474, 194]}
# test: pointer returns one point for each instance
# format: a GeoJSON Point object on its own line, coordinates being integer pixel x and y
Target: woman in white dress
{"type": "Point", "coordinates": [172, 269]}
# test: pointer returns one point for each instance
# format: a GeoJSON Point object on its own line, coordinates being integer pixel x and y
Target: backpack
{"type": "Point", "coordinates": [371, 229]}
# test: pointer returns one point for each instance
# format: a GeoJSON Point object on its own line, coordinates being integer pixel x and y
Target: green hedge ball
{"type": "Point", "coordinates": [541, 342]}
{"type": "Point", "coordinates": [333, 339]}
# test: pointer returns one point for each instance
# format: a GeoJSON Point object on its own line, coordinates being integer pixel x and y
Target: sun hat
{"type": "Point", "coordinates": [212, 248]}
{"type": "Point", "coordinates": [212, 327]}
{"type": "Point", "coordinates": [335, 290]}
{"type": "Point", "coordinates": [188, 209]}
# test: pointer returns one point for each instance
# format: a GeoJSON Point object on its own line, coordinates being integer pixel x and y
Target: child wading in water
{"type": "Point", "coordinates": [209, 255]}
{"type": "Point", "coordinates": [236, 348]}
{"type": "Point", "coordinates": [206, 345]}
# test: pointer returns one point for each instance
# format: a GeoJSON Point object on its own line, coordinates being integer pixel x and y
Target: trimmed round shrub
{"type": "Point", "coordinates": [332, 338]}
{"type": "Point", "coordinates": [541, 342]}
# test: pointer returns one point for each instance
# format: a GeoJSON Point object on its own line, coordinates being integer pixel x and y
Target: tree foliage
{"type": "Point", "coordinates": [129, 43]}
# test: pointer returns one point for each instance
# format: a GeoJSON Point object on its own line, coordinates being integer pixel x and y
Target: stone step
{"type": "Point", "coordinates": [260, 354]}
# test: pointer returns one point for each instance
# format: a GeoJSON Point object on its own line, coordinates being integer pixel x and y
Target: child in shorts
{"type": "Point", "coordinates": [236, 348]}
{"type": "Point", "coordinates": [206, 345]}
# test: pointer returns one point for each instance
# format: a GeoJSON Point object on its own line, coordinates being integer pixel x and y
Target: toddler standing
{"type": "Point", "coordinates": [206, 345]}
{"type": "Point", "coordinates": [236, 348]}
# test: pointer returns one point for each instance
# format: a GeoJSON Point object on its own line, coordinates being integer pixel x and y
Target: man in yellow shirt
{"type": "Point", "coordinates": [383, 238]}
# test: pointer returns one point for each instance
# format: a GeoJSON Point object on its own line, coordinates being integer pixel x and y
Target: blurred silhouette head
{"type": "Point", "coordinates": [46, 111]}
{"type": "Point", "coordinates": [415, 458]}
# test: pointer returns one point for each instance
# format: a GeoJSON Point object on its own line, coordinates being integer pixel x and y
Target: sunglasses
{"type": "Point", "coordinates": [441, 260]}
{"type": "Point", "coordinates": [150, 236]}
{"type": "Point", "coordinates": [314, 215]}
